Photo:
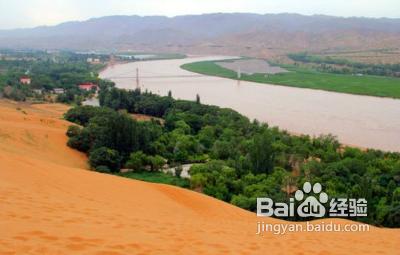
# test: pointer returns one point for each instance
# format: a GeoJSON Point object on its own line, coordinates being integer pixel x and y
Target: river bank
{"type": "Point", "coordinates": [363, 121]}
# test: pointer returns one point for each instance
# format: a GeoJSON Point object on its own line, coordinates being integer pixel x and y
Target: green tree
{"type": "Point", "coordinates": [137, 160]}
{"type": "Point", "coordinates": [73, 130]}
{"type": "Point", "coordinates": [178, 170]}
{"type": "Point", "coordinates": [105, 157]}
{"type": "Point", "coordinates": [156, 162]}
{"type": "Point", "coordinates": [82, 140]}
{"type": "Point", "coordinates": [261, 153]}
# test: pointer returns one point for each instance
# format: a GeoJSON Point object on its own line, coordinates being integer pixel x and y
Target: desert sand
{"type": "Point", "coordinates": [50, 203]}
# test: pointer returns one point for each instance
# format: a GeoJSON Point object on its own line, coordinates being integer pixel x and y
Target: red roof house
{"type": "Point", "coordinates": [25, 80]}
{"type": "Point", "coordinates": [88, 86]}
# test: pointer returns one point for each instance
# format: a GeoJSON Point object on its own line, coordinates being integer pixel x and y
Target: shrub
{"type": "Point", "coordinates": [81, 115]}
{"type": "Point", "coordinates": [105, 157]}
{"type": "Point", "coordinates": [81, 141]}
{"type": "Point", "coordinates": [178, 171]}
{"type": "Point", "coordinates": [137, 160]}
{"type": "Point", "coordinates": [73, 131]}
{"type": "Point", "coordinates": [156, 162]}
{"type": "Point", "coordinates": [103, 169]}
{"type": "Point", "coordinates": [14, 93]}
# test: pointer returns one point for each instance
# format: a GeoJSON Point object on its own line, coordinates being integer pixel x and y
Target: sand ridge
{"type": "Point", "coordinates": [51, 204]}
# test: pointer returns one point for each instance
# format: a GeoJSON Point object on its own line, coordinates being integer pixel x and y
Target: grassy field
{"type": "Point", "coordinates": [308, 78]}
{"type": "Point", "coordinates": [157, 177]}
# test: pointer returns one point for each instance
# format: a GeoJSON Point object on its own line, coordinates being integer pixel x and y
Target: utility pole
{"type": "Point", "coordinates": [137, 78]}
{"type": "Point", "coordinates": [112, 60]}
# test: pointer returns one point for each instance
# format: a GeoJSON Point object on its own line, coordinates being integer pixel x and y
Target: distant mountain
{"type": "Point", "coordinates": [235, 33]}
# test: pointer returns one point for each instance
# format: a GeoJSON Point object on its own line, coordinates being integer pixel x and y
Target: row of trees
{"type": "Point", "coordinates": [237, 160]}
{"type": "Point", "coordinates": [344, 66]}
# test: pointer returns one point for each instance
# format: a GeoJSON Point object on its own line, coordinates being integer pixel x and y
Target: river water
{"type": "Point", "coordinates": [356, 120]}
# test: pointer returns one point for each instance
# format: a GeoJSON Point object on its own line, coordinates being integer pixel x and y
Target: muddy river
{"type": "Point", "coordinates": [356, 120]}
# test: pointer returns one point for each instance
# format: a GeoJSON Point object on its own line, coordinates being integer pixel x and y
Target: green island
{"type": "Point", "coordinates": [313, 78]}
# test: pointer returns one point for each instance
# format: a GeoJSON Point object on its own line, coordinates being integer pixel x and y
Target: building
{"type": "Point", "coordinates": [25, 80]}
{"type": "Point", "coordinates": [93, 60]}
{"type": "Point", "coordinates": [88, 86]}
{"type": "Point", "coordinates": [58, 91]}
{"type": "Point", "coordinates": [38, 91]}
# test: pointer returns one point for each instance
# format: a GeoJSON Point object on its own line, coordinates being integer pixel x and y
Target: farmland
{"type": "Point", "coordinates": [309, 78]}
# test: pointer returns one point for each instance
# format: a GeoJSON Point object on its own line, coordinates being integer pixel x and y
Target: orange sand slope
{"type": "Point", "coordinates": [50, 204]}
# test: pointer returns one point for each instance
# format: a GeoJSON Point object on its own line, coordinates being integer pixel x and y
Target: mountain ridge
{"type": "Point", "coordinates": [224, 33]}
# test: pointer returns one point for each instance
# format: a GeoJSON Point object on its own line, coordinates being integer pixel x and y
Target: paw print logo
{"type": "Point", "coordinates": [311, 206]}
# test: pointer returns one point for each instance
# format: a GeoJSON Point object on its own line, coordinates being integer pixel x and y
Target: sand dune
{"type": "Point", "coordinates": [51, 204]}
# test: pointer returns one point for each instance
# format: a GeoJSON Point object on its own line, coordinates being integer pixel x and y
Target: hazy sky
{"type": "Point", "coordinates": [29, 13]}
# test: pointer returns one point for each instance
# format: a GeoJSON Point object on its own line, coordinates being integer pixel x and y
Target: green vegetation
{"type": "Point", "coordinates": [157, 177]}
{"type": "Point", "coordinates": [344, 66]}
{"type": "Point", "coordinates": [237, 160]}
{"type": "Point", "coordinates": [106, 159]}
{"type": "Point", "coordinates": [62, 70]}
{"type": "Point", "coordinates": [309, 78]}
{"type": "Point", "coordinates": [47, 71]}
{"type": "Point", "coordinates": [132, 56]}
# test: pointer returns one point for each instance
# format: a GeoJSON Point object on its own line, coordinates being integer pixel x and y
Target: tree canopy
{"type": "Point", "coordinates": [235, 160]}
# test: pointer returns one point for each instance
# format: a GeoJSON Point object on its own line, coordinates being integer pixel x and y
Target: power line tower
{"type": "Point", "coordinates": [112, 60]}
{"type": "Point", "coordinates": [239, 73]}
{"type": "Point", "coordinates": [137, 79]}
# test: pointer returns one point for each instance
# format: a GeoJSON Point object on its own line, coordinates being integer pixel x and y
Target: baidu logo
{"type": "Point", "coordinates": [311, 206]}
{"type": "Point", "coordinates": [313, 203]}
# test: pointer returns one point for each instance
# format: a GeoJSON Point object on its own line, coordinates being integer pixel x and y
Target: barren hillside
{"type": "Point", "coordinates": [269, 35]}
